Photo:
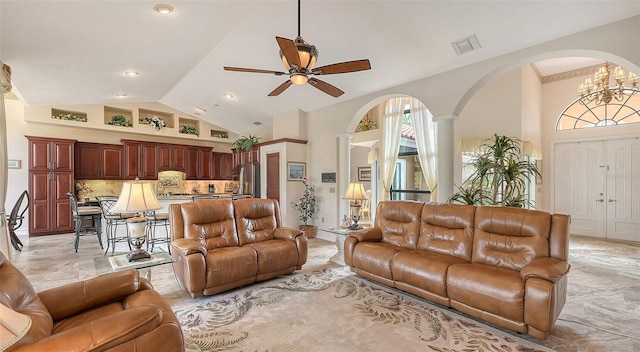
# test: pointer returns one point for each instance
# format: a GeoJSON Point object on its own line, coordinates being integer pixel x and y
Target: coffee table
{"type": "Point", "coordinates": [120, 262]}
{"type": "Point", "coordinates": [341, 235]}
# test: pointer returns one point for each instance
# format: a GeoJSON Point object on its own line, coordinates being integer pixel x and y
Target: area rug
{"type": "Point", "coordinates": [333, 310]}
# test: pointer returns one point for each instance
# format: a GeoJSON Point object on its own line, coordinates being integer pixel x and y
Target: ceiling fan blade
{"type": "Point", "coordinates": [326, 87]}
{"type": "Point", "coordinates": [343, 67]}
{"type": "Point", "coordinates": [252, 70]}
{"type": "Point", "coordinates": [289, 50]}
{"type": "Point", "coordinates": [281, 88]}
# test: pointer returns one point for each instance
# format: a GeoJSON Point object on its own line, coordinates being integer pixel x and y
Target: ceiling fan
{"type": "Point", "coordinates": [299, 59]}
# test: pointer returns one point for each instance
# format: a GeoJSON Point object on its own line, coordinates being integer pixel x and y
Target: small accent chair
{"type": "Point", "coordinates": [365, 209]}
{"type": "Point", "coordinates": [15, 219]}
{"type": "Point", "coordinates": [155, 219]}
{"type": "Point", "coordinates": [117, 312]}
{"type": "Point", "coordinates": [85, 218]}
{"type": "Point", "coordinates": [113, 220]}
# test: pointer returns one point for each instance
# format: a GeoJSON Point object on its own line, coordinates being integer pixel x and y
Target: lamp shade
{"type": "Point", "coordinates": [355, 191]}
{"type": "Point", "coordinates": [136, 197]}
{"type": "Point", "coordinates": [13, 326]}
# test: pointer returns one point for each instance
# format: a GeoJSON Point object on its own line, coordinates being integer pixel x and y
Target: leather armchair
{"type": "Point", "coordinates": [117, 312]}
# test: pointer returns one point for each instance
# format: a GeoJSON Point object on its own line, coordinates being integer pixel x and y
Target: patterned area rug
{"type": "Point", "coordinates": [333, 310]}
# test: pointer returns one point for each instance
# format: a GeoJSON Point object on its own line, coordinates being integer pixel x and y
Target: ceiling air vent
{"type": "Point", "coordinates": [466, 44]}
{"type": "Point", "coordinates": [257, 123]}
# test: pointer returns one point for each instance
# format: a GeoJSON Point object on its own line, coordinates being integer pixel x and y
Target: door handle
{"type": "Point", "coordinates": [600, 200]}
{"type": "Point", "coordinates": [611, 200]}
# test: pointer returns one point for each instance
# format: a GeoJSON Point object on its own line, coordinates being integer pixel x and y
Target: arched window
{"type": "Point", "coordinates": [581, 115]}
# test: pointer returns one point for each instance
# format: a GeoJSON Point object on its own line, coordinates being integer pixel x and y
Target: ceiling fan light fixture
{"type": "Point", "coordinates": [299, 79]}
{"type": "Point", "coordinates": [308, 55]}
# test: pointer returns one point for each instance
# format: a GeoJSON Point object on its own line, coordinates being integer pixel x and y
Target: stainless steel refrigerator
{"type": "Point", "coordinates": [249, 178]}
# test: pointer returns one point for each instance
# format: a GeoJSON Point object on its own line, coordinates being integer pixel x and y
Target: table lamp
{"type": "Point", "coordinates": [137, 197]}
{"type": "Point", "coordinates": [355, 193]}
{"type": "Point", "coordinates": [13, 326]}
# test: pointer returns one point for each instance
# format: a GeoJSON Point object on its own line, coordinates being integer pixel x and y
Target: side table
{"type": "Point", "coordinates": [341, 235]}
{"type": "Point", "coordinates": [159, 257]}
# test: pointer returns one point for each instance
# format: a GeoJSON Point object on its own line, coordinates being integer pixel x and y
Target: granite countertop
{"type": "Point", "coordinates": [191, 195]}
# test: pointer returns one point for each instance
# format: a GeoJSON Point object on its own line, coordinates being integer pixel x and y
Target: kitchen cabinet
{"type": "Point", "coordinates": [252, 156]}
{"type": "Point", "coordinates": [222, 166]}
{"type": "Point", "coordinates": [199, 163]}
{"type": "Point", "coordinates": [51, 176]}
{"type": "Point", "coordinates": [98, 161]}
{"type": "Point", "coordinates": [140, 160]}
{"type": "Point", "coordinates": [172, 157]}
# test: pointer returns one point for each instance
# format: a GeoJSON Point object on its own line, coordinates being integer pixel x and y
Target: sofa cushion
{"type": "Point", "coordinates": [211, 222]}
{"type": "Point", "coordinates": [399, 222]}
{"type": "Point", "coordinates": [487, 288]}
{"type": "Point", "coordinates": [375, 258]}
{"type": "Point", "coordinates": [510, 237]}
{"type": "Point", "coordinates": [229, 265]}
{"type": "Point", "coordinates": [256, 219]}
{"type": "Point", "coordinates": [447, 229]}
{"type": "Point", "coordinates": [275, 255]}
{"type": "Point", "coordinates": [423, 269]}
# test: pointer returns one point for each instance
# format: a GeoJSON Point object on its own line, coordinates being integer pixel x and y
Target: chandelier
{"type": "Point", "coordinates": [600, 91]}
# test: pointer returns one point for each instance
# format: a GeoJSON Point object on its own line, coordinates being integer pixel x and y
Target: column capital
{"type": "Point", "coordinates": [445, 118]}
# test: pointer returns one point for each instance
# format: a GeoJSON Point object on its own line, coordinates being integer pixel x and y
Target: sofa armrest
{"type": "Point", "coordinates": [103, 333]}
{"type": "Point", "coordinates": [67, 300]}
{"type": "Point", "coordinates": [286, 233]}
{"type": "Point", "coordinates": [550, 269]}
{"type": "Point", "coordinates": [186, 246]}
{"type": "Point", "coordinates": [369, 234]}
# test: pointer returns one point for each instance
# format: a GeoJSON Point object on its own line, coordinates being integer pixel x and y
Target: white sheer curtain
{"type": "Point", "coordinates": [5, 84]}
{"type": "Point", "coordinates": [392, 126]}
{"type": "Point", "coordinates": [426, 142]}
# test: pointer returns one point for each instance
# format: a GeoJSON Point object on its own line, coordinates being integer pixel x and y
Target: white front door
{"type": "Point", "coordinates": [623, 189]}
{"type": "Point", "coordinates": [579, 187]}
{"type": "Point", "coordinates": [598, 184]}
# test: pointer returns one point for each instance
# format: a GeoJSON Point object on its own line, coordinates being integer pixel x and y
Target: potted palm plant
{"type": "Point", "coordinates": [306, 207]}
{"type": "Point", "coordinates": [246, 143]}
{"type": "Point", "coordinates": [500, 175]}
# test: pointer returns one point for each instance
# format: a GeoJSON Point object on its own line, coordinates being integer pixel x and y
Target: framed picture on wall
{"type": "Point", "coordinates": [364, 174]}
{"type": "Point", "coordinates": [329, 177]}
{"type": "Point", "coordinates": [296, 171]}
{"type": "Point", "coordinates": [14, 164]}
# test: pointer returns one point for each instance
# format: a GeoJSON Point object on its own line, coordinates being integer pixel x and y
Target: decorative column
{"type": "Point", "coordinates": [446, 154]}
{"type": "Point", "coordinates": [344, 171]}
{"type": "Point", "coordinates": [5, 84]}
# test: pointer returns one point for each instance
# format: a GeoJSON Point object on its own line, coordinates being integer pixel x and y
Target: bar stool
{"type": "Point", "coordinates": [85, 218]}
{"type": "Point", "coordinates": [154, 220]}
{"type": "Point", "coordinates": [113, 220]}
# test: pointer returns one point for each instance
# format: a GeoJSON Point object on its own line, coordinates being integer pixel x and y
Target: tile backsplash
{"type": "Point", "coordinates": [94, 188]}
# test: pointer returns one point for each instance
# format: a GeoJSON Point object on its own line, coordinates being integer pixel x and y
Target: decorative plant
{"type": "Point", "coordinates": [70, 117]}
{"type": "Point", "coordinates": [245, 144]}
{"type": "Point", "coordinates": [155, 122]}
{"type": "Point", "coordinates": [83, 188]}
{"type": "Point", "coordinates": [500, 176]}
{"type": "Point", "coordinates": [307, 204]}
{"type": "Point", "coordinates": [189, 130]}
{"type": "Point", "coordinates": [120, 120]}
{"type": "Point", "coordinates": [367, 124]}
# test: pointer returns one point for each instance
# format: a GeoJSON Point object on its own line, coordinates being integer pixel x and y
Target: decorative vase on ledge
{"type": "Point", "coordinates": [309, 230]}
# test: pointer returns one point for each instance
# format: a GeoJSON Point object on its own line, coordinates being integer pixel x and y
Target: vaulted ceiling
{"type": "Point", "coordinates": [76, 52]}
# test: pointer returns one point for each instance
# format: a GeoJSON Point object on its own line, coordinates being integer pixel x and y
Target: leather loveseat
{"type": "Point", "coordinates": [117, 312]}
{"type": "Point", "coordinates": [220, 244]}
{"type": "Point", "coordinates": [507, 266]}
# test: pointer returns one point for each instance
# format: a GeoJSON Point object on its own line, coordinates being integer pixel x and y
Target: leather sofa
{"type": "Point", "coordinates": [117, 312]}
{"type": "Point", "coordinates": [220, 244]}
{"type": "Point", "coordinates": [507, 266]}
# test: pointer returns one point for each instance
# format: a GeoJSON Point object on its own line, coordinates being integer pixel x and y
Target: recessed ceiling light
{"type": "Point", "coordinates": [228, 95]}
{"type": "Point", "coordinates": [201, 110]}
{"type": "Point", "coordinates": [131, 73]}
{"type": "Point", "coordinates": [121, 95]}
{"type": "Point", "coordinates": [198, 113]}
{"type": "Point", "coordinates": [163, 9]}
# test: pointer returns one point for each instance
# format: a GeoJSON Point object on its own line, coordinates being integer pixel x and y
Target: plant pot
{"type": "Point", "coordinates": [309, 230]}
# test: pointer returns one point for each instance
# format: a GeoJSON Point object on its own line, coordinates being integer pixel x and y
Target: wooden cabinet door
{"type": "Point", "coordinates": [61, 218]}
{"type": "Point", "coordinates": [227, 166]}
{"type": "Point", "coordinates": [39, 210]}
{"type": "Point", "coordinates": [112, 162]}
{"type": "Point", "coordinates": [206, 164]}
{"type": "Point", "coordinates": [88, 161]}
{"type": "Point", "coordinates": [149, 162]}
{"type": "Point", "coordinates": [179, 158]}
{"type": "Point", "coordinates": [62, 155]}
{"type": "Point", "coordinates": [132, 160]}
{"type": "Point", "coordinates": [164, 157]}
{"type": "Point", "coordinates": [193, 164]}
{"type": "Point", "coordinates": [39, 155]}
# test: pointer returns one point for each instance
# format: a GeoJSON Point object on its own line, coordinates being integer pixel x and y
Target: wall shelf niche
{"type": "Point", "coordinates": [118, 117]}
{"type": "Point", "coordinates": [145, 115]}
{"type": "Point", "coordinates": [68, 115]}
{"type": "Point", "coordinates": [189, 126]}
{"type": "Point", "coordinates": [220, 134]}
